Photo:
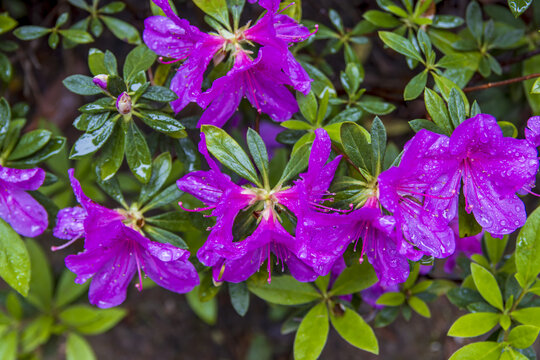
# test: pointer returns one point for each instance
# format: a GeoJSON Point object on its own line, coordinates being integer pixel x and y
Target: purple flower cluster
{"type": "Point", "coordinates": [263, 78]}
{"type": "Point", "coordinates": [409, 213]}
{"type": "Point", "coordinates": [115, 249]}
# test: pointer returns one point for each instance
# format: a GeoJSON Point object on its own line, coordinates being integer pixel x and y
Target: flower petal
{"type": "Point", "coordinates": [70, 223]}
{"type": "Point", "coordinates": [25, 215]}
{"type": "Point", "coordinates": [23, 179]}
{"type": "Point", "coordinates": [173, 39]}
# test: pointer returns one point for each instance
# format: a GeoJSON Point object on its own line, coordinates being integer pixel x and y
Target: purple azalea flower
{"type": "Point", "coordinates": [115, 250]}
{"type": "Point", "coordinates": [467, 246]}
{"type": "Point", "coordinates": [261, 80]}
{"type": "Point", "coordinates": [374, 292]}
{"type": "Point", "coordinates": [532, 132]}
{"type": "Point", "coordinates": [421, 194]}
{"type": "Point", "coordinates": [236, 261]}
{"type": "Point", "coordinates": [18, 208]}
{"type": "Point", "coordinates": [493, 169]}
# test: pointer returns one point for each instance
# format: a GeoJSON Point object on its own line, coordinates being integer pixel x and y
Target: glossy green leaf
{"type": "Point", "coordinates": [239, 295]}
{"type": "Point", "coordinates": [356, 143]}
{"type": "Point", "coordinates": [5, 117]}
{"type": "Point", "coordinates": [528, 249]}
{"type": "Point", "coordinates": [67, 290]}
{"type": "Point", "coordinates": [391, 299]}
{"type": "Point", "coordinates": [8, 346]}
{"type": "Point", "coordinates": [138, 59]}
{"type": "Point", "coordinates": [163, 123]}
{"type": "Point", "coordinates": [518, 7]}
{"type": "Point", "coordinates": [90, 320]}
{"type": "Point", "coordinates": [5, 68]}
{"type": "Point", "coordinates": [113, 7]}
{"type": "Point", "coordinates": [456, 108]}
{"type": "Point", "coordinates": [437, 110]}
{"type": "Point", "coordinates": [173, 221]}
{"type": "Point", "coordinates": [159, 93]}
{"type": "Point", "coordinates": [297, 163]}
{"type": "Point", "coordinates": [308, 106]}
{"type": "Point", "coordinates": [137, 154]}
{"type": "Point", "coordinates": [400, 44]}
{"type": "Point", "coordinates": [474, 324]}
{"type": "Point", "coordinates": [312, 333]}
{"type": "Point", "coordinates": [165, 237]}
{"type": "Point", "coordinates": [91, 142]}
{"type": "Point", "coordinates": [30, 32]}
{"type": "Point", "coordinates": [486, 350]}
{"type": "Point", "coordinates": [30, 143]}
{"type": "Point", "coordinates": [6, 23]}
{"type": "Point", "coordinates": [77, 348]}
{"type": "Point", "coordinates": [355, 330]}
{"type": "Point", "coordinates": [378, 145]}
{"type": "Point", "coordinates": [523, 336]}
{"type": "Point", "coordinates": [474, 20]}
{"type": "Point", "coordinates": [495, 247]}
{"type": "Point", "coordinates": [419, 306]}
{"type": "Point", "coordinates": [284, 290]}
{"type": "Point", "coordinates": [96, 62]}
{"type": "Point", "coordinates": [112, 154]}
{"type": "Point", "coordinates": [215, 8]}
{"type": "Point", "coordinates": [14, 259]}
{"type": "Point", "coordinates": [77, 36]}
{"type": "Point", "coordinates": [41, 280]}
{"type": "Point", "coordinates": [169, 195]}
{"type": "Point", "coordinates": [258, 152]}
{"type": "Point", "coordinates": [376, 107]}
{"type": "Point", "coordinates": [229, 153]}
{"type": "Point", "coordinates": [161, 168]}
{"type": "Point", "coordinates": [487, 285]}
{"type": "Point", "coordinates": [415, 87]}
{"type": "Point", "coordinates": [527, 316]}
{"type": "Point", "coordinates": [354, 279]}
{"type": "Point", "coordinates": [53, 147]}
{"type": "Point", "coordinates": [381, 19]}
{"type": "Point", "coordinates": [122, 30]}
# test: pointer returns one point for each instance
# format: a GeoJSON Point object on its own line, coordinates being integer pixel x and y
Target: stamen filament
{"type": "Point", "coordinates": [63, 246]}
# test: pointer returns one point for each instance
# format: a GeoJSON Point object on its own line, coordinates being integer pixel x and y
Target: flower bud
{"type": "Point", "coordinates": [123, 103]}
{"type": "Point", "coordinates": [101, 81]}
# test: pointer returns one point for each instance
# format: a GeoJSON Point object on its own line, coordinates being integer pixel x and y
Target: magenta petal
{"type": "Point", "coordinates": [109, 284]}
{"type": "Point", "coordinates": [23, 179]}
{"type": "Point", "coordinates": [240, 269]}
{"type": "Point", "coordinates": [300, 270]}
{"type": "Point", "coordinates": [532, 132]}
{"type": "Point", "coordinates": [289, 29]}
{"type": "Point", "coordinates": [165, 37]}
{"type": "Point", "coordinates": [25, 215]}
{"type": "Point", "coordinates": [70, 223]}
{"type": "Point", "coordinates": [297, 74]}
{"type": "Point", "coordinates": [87, 263]}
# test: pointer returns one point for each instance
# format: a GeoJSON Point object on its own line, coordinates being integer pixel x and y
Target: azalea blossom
{"type": "Point", "coordinates": [235, 261]}
{"type": "Point", "coordinates": [261, 79]}
{"type": "Point", "coordinates": [115, 249]}
{"type": "Point", "coordinates": [18, 208]}
{"type": "Point", "coordinates": [532, 131]}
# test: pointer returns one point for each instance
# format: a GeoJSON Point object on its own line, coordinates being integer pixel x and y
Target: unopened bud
{"type": "Point", "coordinates": [101, 81]}
{"type": "Point", "coordinates": [123, 103]}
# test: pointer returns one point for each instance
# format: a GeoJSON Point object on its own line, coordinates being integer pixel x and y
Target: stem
{"type": "Point", "coordinates": [501, 83]}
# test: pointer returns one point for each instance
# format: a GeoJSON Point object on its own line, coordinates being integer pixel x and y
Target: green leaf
{"type": "Point", "coordinates": [206, 311]}
{"type": "Point", "coordinates": [523, 336]}
{"type": "Point", "coordinates": [96, 62]}
{"type": "Point", "coordinates": [258, 152]}
{"type": "Point", "coordinates": [391, 299]}
{"type": "Point", "coordinates": [528, 249]}
{"type": "Point", "coordinates": [308, 106]}
{"type": "Point", "coordinates": [67, 290]}
{"type": "Point", "coordinates": [30, 32]}
{"type": "Point", "coordinates": [122, 30]}
{"type": "Point", "coordinates": [161, 169]}
{"type": "Point", "coordinates": [112, 155]}
{"type": "Point", "coordinates": [5, 117]}
{"type": "Point", "coordinates": [296, 125]}
{"type": "Point", "coordinates": [6, 23]}
{"type": "Point", "coordinates": [312, 333]}
{"type": "Point", "coordinates": [518, 7]}
{"type": "Point", "coordinates": [511, 354]}
{"type": "Point", "coordinates": [229, 153]}
{"type": "Point", "coordinates": [400, 44]}
{"type": "Point", "coordinates": [159, 93]}
{"type": "Point", "coordinates": [298, 162]}
{"type": "Point", "coordinates": [5, 68]}
{"type": "Point", "coordinates": [8, 346]}
{"type": "Point", "coordinates": [138, 59]}
{"type": "Point", "coordinates": [239, 295]}
{"type": "Point", "coordinates": [236, 7]}
{"type": "Point", "coordinates": [77, 36]}
{"type": "Point", "coordinates": [378, 145]}
{"type": "Point", "coordinates": [30, 143]}
{"type": "Point", "coordinates": [41, 281]}
{"type": "Point", "coordinates": [474, 324]}
{"type": "Point", "coordinates": [284, 290]}
{"type": "Point", "coordinates": [99, 106]}
{"type": "Point", "coordinates": [137, 154]}
{"type": "Point", "coordinates": [173, 221]}
{"type": "Point", "coordinates": [474, 20]}
{"type": "Point", "coordinates": [381, 19]}
{"type": "Point", "coordinates": [165, 237]}
{"type": "Point", "coordinates": [437, 110]}
{"type": "Point", "coordinates": [90, 320]}
{"type": "Point", "coordinates": [446, 85]}
{"type": "Point", "coordinates": [486, 350]}
{"type": "Point", "coordinates": [456, 108]}
{"type": "Point", "coordinates": [356, 143]}
{"type": "Point", "coordinates": [419, 306]}
{"type": "Point", "coordinates": [169, 195]}
{"type": "Point", "coordinates": [109, 60]}
{"type": "Point", "coordinates": [462, 297]}
{"type": "Point", "coordinates": [320, 83]}
{"type": "Point", "coordinates": [113, 8]}
{"type": "Point", "coordinates": [376, 107]}
{"type": "Point", "coordinates": [354, 279]}
{"type": "Point", "coordinates": [14, 259]}
{"type": "Point", "coordinates": [527, 316]}
{"type": "Point", "coordinates": [77, 348]}
{"type": "Point", "coordinates": [352, 77]}
{"type": "Point", "coordinates": [535, 89]}
{"type": "Point", "coordinates": [36, 333]}
{"type": "Point", "coordinates": [355, 330]}
{"type": "Point", "coordinates": [415, 87]}
{"type": "Point", "coordinates": [215, 8]}
{"type": "Point", "coordinates": [53, 147]}
{"type": "Point", "coordinates": [91, 142]}
{"type": "Point", "coordinates": [487, 286]}
{"type": "Point", "coordinates": [163, 123]}
{"type": "Point", "coordinates": [495, 247]}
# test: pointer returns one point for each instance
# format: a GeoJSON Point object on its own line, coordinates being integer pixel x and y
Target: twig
{"type": "Point", "coordinates": [501, 83]}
